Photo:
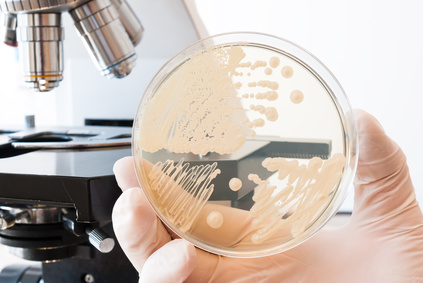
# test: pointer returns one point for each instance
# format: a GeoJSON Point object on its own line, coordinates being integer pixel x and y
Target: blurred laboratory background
{"type": "Point", "coordinates": [373, 47]}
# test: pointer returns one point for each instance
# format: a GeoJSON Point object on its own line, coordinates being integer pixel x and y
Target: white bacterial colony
{"type": "Point", "coordinates": [271, 114]}
{"type": "Point", "coordinates": [268, 95]}
{"type": "Point", "coordinates": [307, 190]}
{"type": "Point", "coordinates": [271, 91]}
{"type": "Point", "coordinates": [268, 71]}
{"type": "Point", "coordinates": [215, 219]}
{"type": "Point", "coordinates": [297, 96]}
{"type": "Point", "coordinates": [235, 184]}
{"type": "Point", "coordinates": [287, 72]}
{"type": "Point", "coordinates": [258, 64]}
{"type": "Point", "coordinates": [193, 109]}
{"type": "Point", "coordinates": [182, 191]}
{"type": "Point", "coordinates": [274, 62]}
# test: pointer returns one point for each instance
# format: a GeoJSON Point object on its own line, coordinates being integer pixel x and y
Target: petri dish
{"type": "Point", "coordinates": [244, 144]}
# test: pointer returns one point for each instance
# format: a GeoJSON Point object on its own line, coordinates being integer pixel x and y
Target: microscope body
{"type": "Point", "coordinates": [57, 187]}
{"type": "Point", "coordinates": [56, 203]}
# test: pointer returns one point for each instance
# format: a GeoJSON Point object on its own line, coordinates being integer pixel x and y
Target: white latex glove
{"type": "Point", "coordinates": [382, 242]}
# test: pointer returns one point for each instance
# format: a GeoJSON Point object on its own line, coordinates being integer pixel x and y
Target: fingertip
{"type": "Point", "coordinates": [379, 155]}
{"type": "Point", "coordinates": [173, 262]}
{"type": "Point", "coordinates": [137, 227]}
{"type": "Point", "coordinates": [187, 250]}
{"type": "Point", "coordinates": [125, 173]}
{"type": "Point", "coordinates": [382, 182]}
{"type": "Point", "coordinates": [367, 123]}
{"type": "Point", "coordinates": [132, 217]}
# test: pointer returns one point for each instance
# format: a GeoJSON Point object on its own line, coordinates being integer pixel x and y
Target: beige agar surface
{"type": "Point", "coordinates": [211, 104]}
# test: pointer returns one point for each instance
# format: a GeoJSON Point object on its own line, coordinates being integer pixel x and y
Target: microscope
{"type": "Point", "coordinates": [57, 187]}
{"type": "Point", "coordinates": [108, 28]}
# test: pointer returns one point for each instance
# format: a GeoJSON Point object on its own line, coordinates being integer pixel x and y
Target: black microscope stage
{"type": "Point", "coordinates": [68, 172]}
{"type": "Point", "coordinates": [37, 171]}
{"type": "Point", "coordinates": [73, 167]}
{"type": "Point", "coordinates": [62, 180]}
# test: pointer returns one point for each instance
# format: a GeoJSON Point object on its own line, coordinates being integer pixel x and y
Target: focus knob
{"type": "Point", "coordinates": [100, 240]}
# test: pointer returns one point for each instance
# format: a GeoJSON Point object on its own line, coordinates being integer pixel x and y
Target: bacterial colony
{"type": "Point", "coordinates": [200, 108]}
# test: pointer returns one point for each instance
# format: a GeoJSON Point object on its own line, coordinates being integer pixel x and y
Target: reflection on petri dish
{"type": "Point", "coordinates": [244, 144]}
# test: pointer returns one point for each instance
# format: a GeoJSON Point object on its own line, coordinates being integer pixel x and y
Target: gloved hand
{"type": "Point", "coordinates": [382, 242]}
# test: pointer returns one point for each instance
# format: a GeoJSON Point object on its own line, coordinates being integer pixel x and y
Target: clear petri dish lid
{"type": "Point", "coordinates": [244, 144]}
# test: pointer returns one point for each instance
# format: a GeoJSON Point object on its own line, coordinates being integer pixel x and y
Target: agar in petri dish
{"type": "Point", "coordinates": [244, 144]}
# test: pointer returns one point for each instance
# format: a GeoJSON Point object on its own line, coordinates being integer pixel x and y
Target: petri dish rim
{"type": "Point", "coordinates": [319, 71]}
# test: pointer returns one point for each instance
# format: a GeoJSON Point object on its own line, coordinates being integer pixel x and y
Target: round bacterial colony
{"type": "Point", "coordinates": [244, 144]}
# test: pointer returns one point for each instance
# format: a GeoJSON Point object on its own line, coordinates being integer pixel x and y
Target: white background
{"type": "Point", "coordinates": [373, 47]}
